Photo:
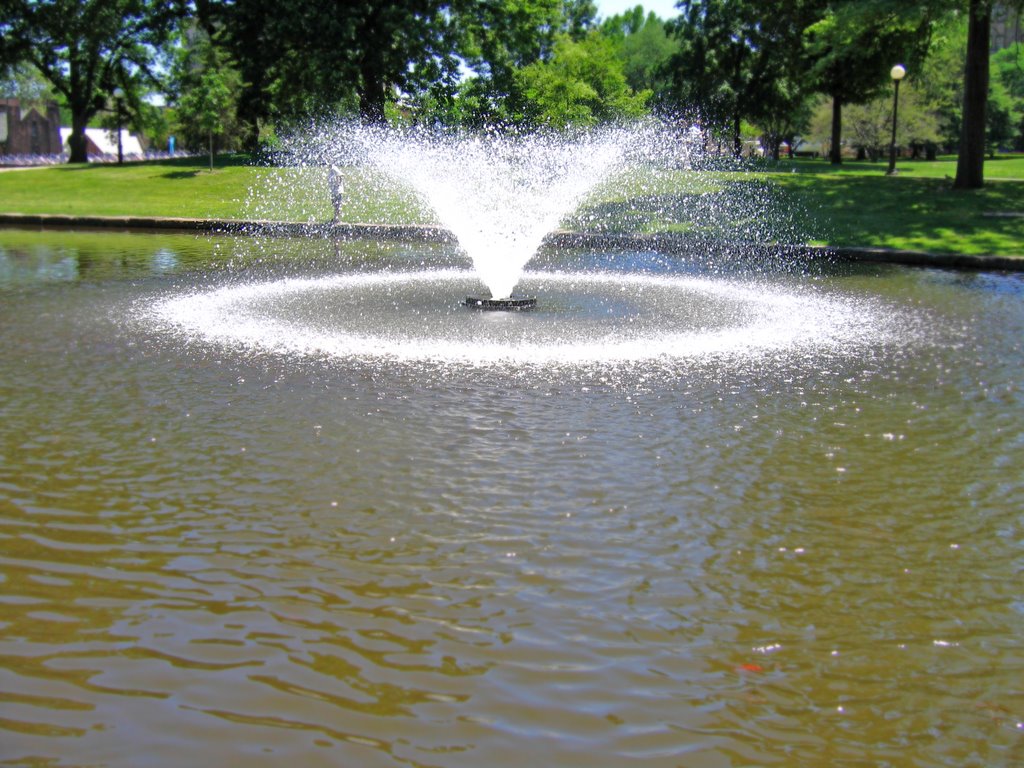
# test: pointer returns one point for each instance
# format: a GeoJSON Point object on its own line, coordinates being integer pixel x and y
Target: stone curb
{"type": "Point", "coordinates": [665, 242]}
{"type": "Point", "coordinates": [223, 226]}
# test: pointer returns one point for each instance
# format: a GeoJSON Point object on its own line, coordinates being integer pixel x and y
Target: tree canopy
{"type": "Point", "coordinates": [87, 48]}
{"type": "Point", "coordinates": [207, 88]}
{"type": "Point", "coordinates": [725, 64]}
{"type": "Point", "coordinates": [581, 84]}
{"type": "Point", "coordinates": [645, 45]}
{"type": "Point", "coordinates": [852, 46]}
{"type": "Point", "coordinates": [314, 56]}
{"type": "Point", "coordinates": [738, 63]}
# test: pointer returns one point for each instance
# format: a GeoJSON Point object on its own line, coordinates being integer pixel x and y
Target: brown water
{"type": "Point", "coordinates": [216, 553]}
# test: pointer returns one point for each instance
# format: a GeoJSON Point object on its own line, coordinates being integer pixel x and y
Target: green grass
{"type": "Point", "coordinates": [912, 213]}
{"type": "Point", "coordinates": [998, 167]}
{"type": "Point", "coordinates": [176, 188]}
{"type": "Point", "coordinates": [186, 188]}
{"type": "Point", "coordinates": [792, 201]}
{"type": "Point", "coordinates": [918, 209]}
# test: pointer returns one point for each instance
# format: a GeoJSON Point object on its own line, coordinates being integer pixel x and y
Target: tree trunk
{"type": "Point", "coordinates": [835, 153]}
{"type": "Point", "coordinates": [77, 139]}
{"type": "Point", "coordinates": [371, 107]}
{"type": "Point", "coordinates": [970, 162]}
{"type": "Point", "coordinates": [372, 96]}
{"type": "Point", "coordinates": [211, 150]}
{"type": "Point", "coordinates": [737, 139]}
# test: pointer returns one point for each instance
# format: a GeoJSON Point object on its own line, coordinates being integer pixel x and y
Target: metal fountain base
{"type": "Point", "coordinates": [505, 305]}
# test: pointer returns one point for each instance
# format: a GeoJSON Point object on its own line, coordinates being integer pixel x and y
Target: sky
{"type": "Point", "coordinates": [664, 8]}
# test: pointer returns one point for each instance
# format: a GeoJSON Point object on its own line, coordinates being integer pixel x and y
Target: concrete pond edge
{"type": "Point", "coordinates": [666, 242]}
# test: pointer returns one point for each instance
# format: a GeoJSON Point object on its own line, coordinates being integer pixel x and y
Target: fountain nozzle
{"type": "Point", "coordinates": [506, 305]}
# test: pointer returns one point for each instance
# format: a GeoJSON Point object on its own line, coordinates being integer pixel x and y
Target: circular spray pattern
{"type": "Point", "coordinates": [499, 194]}
{"type": "Point", "coordinates": [582, 319]}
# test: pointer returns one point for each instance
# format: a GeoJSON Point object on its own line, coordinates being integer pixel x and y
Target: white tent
{"type": "Point", "coordinates": [106, 141]}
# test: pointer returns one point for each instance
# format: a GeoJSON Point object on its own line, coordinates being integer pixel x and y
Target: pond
{"type": "Point", "coordinates": [289, 501]}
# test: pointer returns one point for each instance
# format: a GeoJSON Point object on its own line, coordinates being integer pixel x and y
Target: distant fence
{"type": "Point", "coordinates": [24, 161]}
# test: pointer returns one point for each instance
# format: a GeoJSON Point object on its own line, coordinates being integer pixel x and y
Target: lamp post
{"type": "Point", "coordinates": [118, 96]}
{"type": "Point", "coordinates": [896, 73]}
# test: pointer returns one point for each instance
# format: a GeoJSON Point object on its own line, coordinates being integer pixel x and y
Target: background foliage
{"type": "Point", "coordinates": [753, 77]}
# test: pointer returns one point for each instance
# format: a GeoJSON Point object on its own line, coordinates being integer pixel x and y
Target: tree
{"type": "Point", "coordinates": [999, 120]}
{"type": "Point", "coordinates": [578, 18]}
{"type": "Point", "coordinates": [12, 48]}
{"type": "Point", "coordinates": [582, 84]}
{"type": "Point", "coordinates": [437, 60]}
{"type": "Point", "coordinates": [978, 124]}
{"type": "Point", "coordinates": [853, 46]}
{"type": "Point", "coordinates": [208, 87]}
{"type": "Point", "coordinates": [1007, 67]}
{"type": "Point", "coordinates": [941, 77]}
{"type": "Point", "coordinates": [970, 163]}
{"type": "Point", "coordinates": [870, 124]}
{"type": "Point", "coordinates": [736, 62]}
{"type": "Point", "coordinates": [404, 45]}
{"type": "Point", "coordinates": [87, 48]}
{"type": "Point", "coordinates": [785, 124]}
{"type": "Point", "coordinates": [24, 82]}
{"type": "Point", "coordinates": [302, 57]}
{"type": "Point", "coordinates": [496, 39]}
{"type": "Point", "coordinates": [644, 45]}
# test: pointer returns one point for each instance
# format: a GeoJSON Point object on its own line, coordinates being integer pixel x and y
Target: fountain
{"type": "Point", "coordinates": [499, 196]}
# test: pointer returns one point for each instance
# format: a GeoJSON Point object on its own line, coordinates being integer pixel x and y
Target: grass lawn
{"type": "Point", "coordinates": [913, 213]}
{"type": "Point", "coordinates": [998, 167]}
{"type": "Point", "coordinates": [172, 188]}
{"type": "Point", "coordinates": [857, 204]}
{"type": "Point", "coordinates": [792, 201]}
{"type": "Point", "coordinates": [186, 188]}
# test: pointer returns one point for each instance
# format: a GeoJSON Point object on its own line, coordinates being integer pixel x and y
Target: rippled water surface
{"type": "Point", "coordinates": [676, 517]}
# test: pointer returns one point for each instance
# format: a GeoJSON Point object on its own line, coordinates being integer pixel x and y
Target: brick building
{"type": "Point", "coordinates": [25, 131]}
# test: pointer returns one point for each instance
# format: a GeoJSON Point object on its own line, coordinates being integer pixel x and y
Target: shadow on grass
{"type": "Point", "coordinates": [839, 209]}
{"type": "Point", "coordinates": [73, 168]}
{"type": "Point", "coordinates": [913, 213]}
{"type": "Point", "coordinates": [188, 166]}
{"type": "Point", "coordinates": [747, 210]}
{"type": "Point", "coordinates": [641, 213]}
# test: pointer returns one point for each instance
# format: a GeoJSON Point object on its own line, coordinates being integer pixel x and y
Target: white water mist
{"type": "Point", "coordinates": [498, 195]}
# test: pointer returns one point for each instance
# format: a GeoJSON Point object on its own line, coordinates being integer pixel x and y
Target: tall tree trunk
{"type": "Point", "coordinates": [835, 152]}
{"type": "Point", "coordinates": [372, 95]}
{"type": "Point", "coordinates": [970, 162]}
{"type": "Point", "coordinates": [76, 141]}
{"type": "Point", "coordinates": [211, 150]}
{"type": "Point", "coordinates": [737, 139]}
{"type": "Point", "coordinates": [78, 93]}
